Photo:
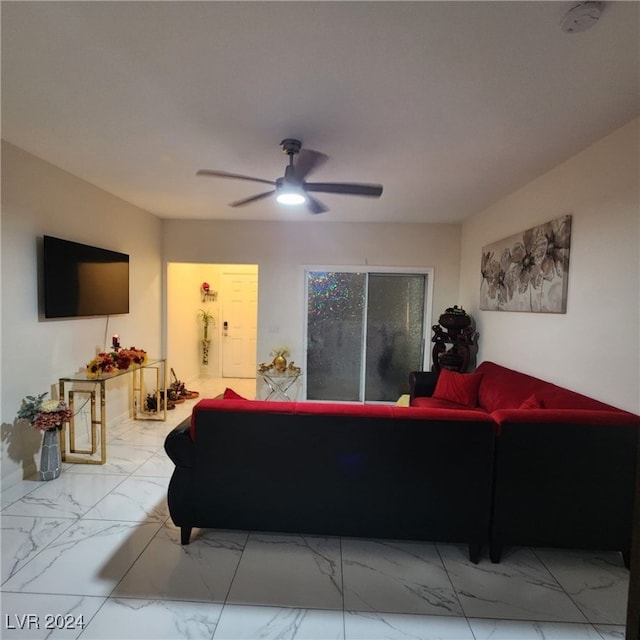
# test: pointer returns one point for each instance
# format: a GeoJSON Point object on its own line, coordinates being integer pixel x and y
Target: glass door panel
{"type": "Point", "coordinates": [365, 333]}
{"type": "Point", "coordinates": [335, 322]}
{"type": "Point", "coordinates": [395, 328]}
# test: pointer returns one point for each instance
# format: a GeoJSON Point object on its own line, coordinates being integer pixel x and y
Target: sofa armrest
{"type": "Point", "coordinates": [421, 383]}
{"type": "Point", "coordinates": [179, 446]}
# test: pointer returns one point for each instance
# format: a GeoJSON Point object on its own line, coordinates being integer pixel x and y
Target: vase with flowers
{"type": "Point", "coordinates": [47, 416]}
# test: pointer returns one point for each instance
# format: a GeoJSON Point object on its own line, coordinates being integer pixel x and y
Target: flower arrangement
{"type": "Point", "coordinates": [45, 415]}
{"type": "Point", "coordinates": [279, 363]}
{"type": "Point", "coordinates": [122, 359]}
{"type": "Point", "coordinates": [280, 352]}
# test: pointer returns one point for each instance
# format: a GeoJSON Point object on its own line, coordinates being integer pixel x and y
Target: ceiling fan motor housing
{"type": "Point", "coordinates": [291, 146]}
{"type": "Point", "coordinates": [288, 182]}
{"type": "Point", "coordinates": [289, 177]}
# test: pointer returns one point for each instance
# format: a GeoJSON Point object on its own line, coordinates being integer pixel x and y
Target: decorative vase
{"type": "Point", "coordinates": [280, 364]}
{"type": "Point", "coordinates": [50, 459]}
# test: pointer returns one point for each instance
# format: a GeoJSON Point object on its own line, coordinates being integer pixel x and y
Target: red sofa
{"type": "Point", "coordinates": [495, 457]}
{"type": "Point", "coordinates": [565, 464]}
{"type": "Point", "coordinates": [373, 471]}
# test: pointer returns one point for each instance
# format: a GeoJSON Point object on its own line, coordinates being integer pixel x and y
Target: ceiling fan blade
{"type": "Point", "coordinates": [225, 174]}
{"type": "Point", "coordinates": [239, 203]}
{"type": "Point", "coordinates": [346, 188]}
{"type": "Point", "coordinates": [308, 160]}
{"type": "Point", "coordinates": [315, 206]}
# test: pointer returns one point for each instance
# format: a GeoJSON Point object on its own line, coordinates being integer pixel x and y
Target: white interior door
{"type": "Point", "coordinates": [239, 298]}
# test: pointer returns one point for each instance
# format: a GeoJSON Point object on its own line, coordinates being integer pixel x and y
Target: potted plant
{"type": "Point", "coordinates": [207, 319]}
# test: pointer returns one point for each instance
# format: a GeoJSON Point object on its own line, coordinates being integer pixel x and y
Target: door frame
{"type": "Point", "coordinates": [428, 272]}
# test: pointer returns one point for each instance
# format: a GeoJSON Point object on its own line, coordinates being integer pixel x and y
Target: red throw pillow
{"type": "Point", "coordinates": [532, 402]}
{"type": "Point", "coordinates": [230, 394]}
{"type": "Point", "coordinates": [461, 388]}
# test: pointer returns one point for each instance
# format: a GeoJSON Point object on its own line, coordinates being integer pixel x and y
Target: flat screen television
{"type": "Point", "coordinates": [81, 280]}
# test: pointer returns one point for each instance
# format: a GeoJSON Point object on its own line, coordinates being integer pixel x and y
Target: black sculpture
{"type": "Point", "coordinates": [455, 328]}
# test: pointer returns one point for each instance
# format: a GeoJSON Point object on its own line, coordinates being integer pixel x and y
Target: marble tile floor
{"type": "Point", "coordinates": [94, 554]}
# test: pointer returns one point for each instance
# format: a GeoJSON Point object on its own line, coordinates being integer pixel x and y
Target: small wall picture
{"type": "Point", "coordinates": [528, 271]}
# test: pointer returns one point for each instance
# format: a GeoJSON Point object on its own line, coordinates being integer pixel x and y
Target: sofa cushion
{"type": "Point", "coordinates": [532, 402]}
{"type": "Point", "coordinates": [230, 394]}
{"type": "Point", "coordinates": [460, 388]}
{"type": "Point", "coordinates": [503, 388]}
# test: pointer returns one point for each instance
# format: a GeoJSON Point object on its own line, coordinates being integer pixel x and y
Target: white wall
{"type": "Point", "coordinates": [281, 249]}
{"type": "Point", "coordinates": [594, 347]}
{"type": "Point", "coordinates": [39, 199]}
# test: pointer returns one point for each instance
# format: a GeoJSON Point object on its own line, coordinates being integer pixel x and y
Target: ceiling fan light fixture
{"type": "Point", "coordinates": [291, 196]}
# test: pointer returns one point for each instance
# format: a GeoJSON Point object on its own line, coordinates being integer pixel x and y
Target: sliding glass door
{"type": "Point", "coordinates": [365, 332]}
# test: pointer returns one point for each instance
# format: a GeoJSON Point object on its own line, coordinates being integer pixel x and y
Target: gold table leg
{"type": "Point", "coordinates": [71, 428]}
{"type": "Point", "coordinates": [139, 393]}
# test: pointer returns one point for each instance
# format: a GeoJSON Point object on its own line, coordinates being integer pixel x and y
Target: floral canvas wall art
{"type": "Point", "coordinates": [528, 271]}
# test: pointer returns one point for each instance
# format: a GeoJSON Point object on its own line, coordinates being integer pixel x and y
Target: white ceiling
{"type": "Point", "coordinates": [450, 105]}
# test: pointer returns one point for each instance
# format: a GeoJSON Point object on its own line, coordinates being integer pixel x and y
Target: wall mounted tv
{"type": "Point", "coordinates": [81, 280]}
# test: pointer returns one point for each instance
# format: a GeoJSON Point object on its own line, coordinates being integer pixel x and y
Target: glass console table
{"type": "Point", "coordinates": [279, 383]}
{"type": "Point", "coordinates": [76, 385]}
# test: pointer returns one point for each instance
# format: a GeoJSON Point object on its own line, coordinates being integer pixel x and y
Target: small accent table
{"type": "Point", "coordinates": [79, 381]}
{"type": "Point", "coordinates": [279, 383]}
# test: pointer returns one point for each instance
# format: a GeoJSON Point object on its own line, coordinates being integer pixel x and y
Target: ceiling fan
{"type": "Point", "coordinates": [292, 187]}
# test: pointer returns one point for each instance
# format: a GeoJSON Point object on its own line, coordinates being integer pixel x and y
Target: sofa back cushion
{"type": "Point", "coordinates": [230, 394]}
{"type": "Point", "coordinates": [460, 388]}
{"type": "Point", "coordinates": [206, 412]}
{"type": "Point", "coordinates": [504, 388]}
{"type": "Point", "coordinates": [532, 402]}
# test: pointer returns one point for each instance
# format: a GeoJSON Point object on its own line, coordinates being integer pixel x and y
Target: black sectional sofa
{"type": "Point", "coordinates": [333, 469]}
{"type": "Point", "coordinates": [493, 458]}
